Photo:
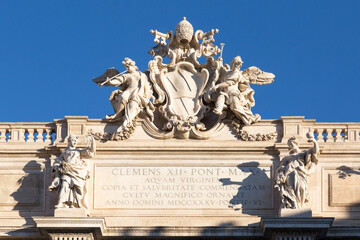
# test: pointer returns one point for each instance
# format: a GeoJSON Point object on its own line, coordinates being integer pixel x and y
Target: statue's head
{"type": "Point", "coordinates": [293, 143]}
{"type": "Point", "coordinates": [130, 65]}
{"type": "Point", "coordinates": [236, 62]}
{"type": "Point", "coordinates": [184, 32]}
{"type": "Point", "coordinates": [72, 140]}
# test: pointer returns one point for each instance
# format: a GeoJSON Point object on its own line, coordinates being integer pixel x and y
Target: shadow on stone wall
{"type": "Point", "coordinates": [28, 195]}
{"type": "Point", "coordinates": [345, 171]}
{"type": "Point", "coordinates": [351, 178]}
{"type": "Point", "coordinates": [227, 230]}
{"type": "Point", "coordinates": [254, 192]}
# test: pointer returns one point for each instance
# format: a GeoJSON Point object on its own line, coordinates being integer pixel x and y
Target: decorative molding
{"type": "Point", "coordinates": [71, 236]}
{"type": "Point", "coordinates": [123, 134]}
{"type": "Point", "coordinates": [245, 136]}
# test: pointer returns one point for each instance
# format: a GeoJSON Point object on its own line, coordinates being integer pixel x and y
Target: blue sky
{"type": "Point", "coordinates": [51, 50]}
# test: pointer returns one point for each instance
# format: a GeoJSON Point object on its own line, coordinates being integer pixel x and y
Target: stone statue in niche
{"type": "Point", "coordinates": [291, 177]}
{"type": "Point", "coordinates": [71, 172]}
{"type": "Point", "coordinates": [133, 95]}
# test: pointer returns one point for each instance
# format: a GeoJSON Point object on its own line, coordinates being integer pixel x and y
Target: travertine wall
{"type": "Point", "coordinates": [144, 186]}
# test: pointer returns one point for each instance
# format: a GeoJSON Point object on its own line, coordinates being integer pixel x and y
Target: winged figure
{"type": "Point", "coordinates": [234, 91]}
{"type": "Point", "coordinates": [133, 95]}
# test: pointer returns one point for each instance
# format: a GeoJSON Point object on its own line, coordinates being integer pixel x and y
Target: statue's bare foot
{"type": "Point", "coordinates": [113, 117]}
{"type": "Point", "coordinates": [61, 205]}
{"type": "Point", "coordinates": [123, 129]}
{"type": "Point", "coordinates": [217, 111]}
{"type": "Point", "coordinates": [110, 117]}
{"type": "Point", "coordinates": [245, 121]}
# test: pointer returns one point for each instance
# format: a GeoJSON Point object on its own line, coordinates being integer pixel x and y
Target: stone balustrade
{"type": "Point", "coordinates": [325, 132]}
{"type": "Point", "coordinates": [246, 168]}
{"type": "Point", "coordinates": [40, 132]}
{"type": "Point", "coordinates": [49, 132]}
{"type": "Point", "coordinates": [337, 132]}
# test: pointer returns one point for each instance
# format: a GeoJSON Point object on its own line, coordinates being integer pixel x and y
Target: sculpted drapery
{"type": "Point", "coordinates": [133, 95]}
{"type": "Point", "coordinates": [236, 92]}
{"type": "Point", "coordinates": [71, 172]}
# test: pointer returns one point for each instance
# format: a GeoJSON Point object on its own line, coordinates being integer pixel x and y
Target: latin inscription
{"type": "Point", "coordinates": [182, 187]}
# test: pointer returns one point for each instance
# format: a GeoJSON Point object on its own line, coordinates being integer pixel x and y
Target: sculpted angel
{"type": "Point", "coordinates": [133, 95]}
{"type": "Point", "coordinates": [234, 91]}
{"type": "Point", "coordinates": [291, 177]}
{"type": "Point", "coordinates": [71, 171]}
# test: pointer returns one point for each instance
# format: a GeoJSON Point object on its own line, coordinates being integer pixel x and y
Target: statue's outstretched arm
{"type": "Point", "coordinates": [116, 81]}
{"type": "Point", "coordinates": [90, 151]}
{"type": "Point", "coordinates": [92, 146]}
{"type": "Point", "coordinates": [314, 152]}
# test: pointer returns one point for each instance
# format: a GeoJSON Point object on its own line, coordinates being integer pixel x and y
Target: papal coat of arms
{"type": "Point", "coordinates": [182, 98]}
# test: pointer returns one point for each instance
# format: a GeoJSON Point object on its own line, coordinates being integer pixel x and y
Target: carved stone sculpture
{"type": "Point", "coordinates": [234, 91]}
{"type": "Point", "coordinates": [291, 177]}
{"type": "Point", "coordinates": [133, 95]}
{"type": "Point", "coordinates": [185, 90]}
{"type": "Point", "coordinates": [71, 172]}
{"type": "Point", "coordinates": [181, 84]}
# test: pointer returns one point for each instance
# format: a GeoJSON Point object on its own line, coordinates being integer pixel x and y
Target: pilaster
{"type": "Point", "coordinates": [76, 125]}
{"type": "Point", "coordinates": [292, 126]}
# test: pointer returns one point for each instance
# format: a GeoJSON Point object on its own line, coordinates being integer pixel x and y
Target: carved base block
{"type": "Point", "coordinates": [70, 228]}
{"type": "Point", "coordinates": [71, 236]}
{"type": "Point", "coordinates": [70, 212]}
{"type": "Point", "coordinates": [295, 228]}
{"type": "Point", "coordinates": [295, 213]}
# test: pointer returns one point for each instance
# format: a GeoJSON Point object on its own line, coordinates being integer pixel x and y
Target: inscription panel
{"type": "Point", "coordinates": [344, 190]}
{"type": "Point", "coordinates": [124, 187]}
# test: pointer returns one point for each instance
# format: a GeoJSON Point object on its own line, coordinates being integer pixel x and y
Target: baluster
{"type": "Point", "coordinates": [22, 135]}
{"type": "Point", "coordinates": [40, 137]}
{"type": "Point", "coordinates": [320, 137]}
{"type": "Point", "coordinates": [338, 137]}
{"type": "Point", "coordinates": [344, 137]}
{"type": "Point", "coordinates": [31, 135]}
{"type": "Point", "coordinates": [8, 135]}
{"type": "Point", "coordinates": [3, 135]}
{"type": "Point", "coordinates": [329, 137]}
{"type": "Point", "coordinates": [48, 135]}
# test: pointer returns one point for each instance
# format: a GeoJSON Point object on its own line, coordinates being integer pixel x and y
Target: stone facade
{"type": "Point", "coordinates": [221, 186]}
{"type": "Point", "coordinates": [183, 155]}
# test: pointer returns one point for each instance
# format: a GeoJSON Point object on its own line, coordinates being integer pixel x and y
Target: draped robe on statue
{"type": "Point", "coordinates": [73, 170]}
{"type": "Point", "coordinates": [292, 178]}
